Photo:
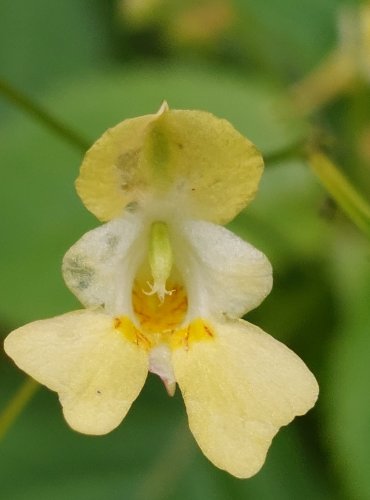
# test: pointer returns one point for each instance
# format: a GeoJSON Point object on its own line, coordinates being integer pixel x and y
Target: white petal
{"type": "Point", "coordinates": [223, 273]}
{"type": "Point", "coordinates": [160, 364]}
{"type": "Point", "coordinates": [99, 269]}
{"type": "Point", "coordinates": [239, 388]}
{"type": "Point", "coordinates": [97, 372]}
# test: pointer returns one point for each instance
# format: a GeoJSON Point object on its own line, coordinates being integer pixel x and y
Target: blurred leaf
{"type": "Point", "coordinates": [42, 458]}
{"type": "Point", "coordinates": [285, 218]}
{"type": "Point", "coordinates": [22, 102]}
{"type": "Point", "coordinates": [288, 36]}
{"type": "Point", "coordinates": [346, 393]}
{"type": "Point", "coordinates": [43, 41]}
{"type": "Point", "coordinates": [288, 223]}
{"type": "Point", "coordinates": [258, 109]}
{"type": "Point", "coordinates": [44, 215]}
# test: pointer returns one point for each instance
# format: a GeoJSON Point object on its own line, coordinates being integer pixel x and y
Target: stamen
{"type": "Point", "coordinates": [160, 291]}
{"type": "Point", "coordinates": [155, 316]}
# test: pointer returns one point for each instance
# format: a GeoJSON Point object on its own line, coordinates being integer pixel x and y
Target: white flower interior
{"type": "Point", "coordinates": [166, 277]}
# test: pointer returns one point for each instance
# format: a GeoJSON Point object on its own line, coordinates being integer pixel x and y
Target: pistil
{"type": "Point", "coordinates": [160, 259]}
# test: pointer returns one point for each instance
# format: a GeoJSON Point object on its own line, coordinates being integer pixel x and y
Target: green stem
{"type": "Point", "coordinates": [293, 151]}
{"type": "Point", "coordinates": [17, 404]}
{"type": "Point", "coordinates": [325, 83]}
{"type": "Point", "coordinates": [342, 191]}
{"type": "Point", "coordinates": [28, 106]}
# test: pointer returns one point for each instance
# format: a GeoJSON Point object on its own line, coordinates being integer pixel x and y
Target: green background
{"type": "Point", "coordinates": [91, 67]}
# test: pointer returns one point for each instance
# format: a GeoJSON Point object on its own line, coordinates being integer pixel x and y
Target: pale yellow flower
{"type": "Point", "coordinates": [164, 287]}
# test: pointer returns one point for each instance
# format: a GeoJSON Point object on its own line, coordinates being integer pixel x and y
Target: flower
{"type": "Point", "coordinates": [164, 287]}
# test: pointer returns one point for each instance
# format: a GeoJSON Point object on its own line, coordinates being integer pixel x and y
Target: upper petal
{"type": "Point", "coordinates": [112, 175]}
{"type": "Point", "coordinates": [97, 372]}
{"type": "Point", "coordinates": [223, 273]}
{"type": "Point", "coordinates": [209, 168]}
{"type": "Point", "coordinates": [99, 269]}
{"type": "Point", "coordinates": [239, 388]}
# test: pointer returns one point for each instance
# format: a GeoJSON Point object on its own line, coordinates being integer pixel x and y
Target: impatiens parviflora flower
{"type": "Point", "coordinates": [164, 287]}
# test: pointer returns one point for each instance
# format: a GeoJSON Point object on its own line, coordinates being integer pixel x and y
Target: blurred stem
{"type": "Point", "coordinates": [342, 191]}
{"type": "Point", "coordinates": [353, 204]}
{"type": "Point", "coordinates": [293, 151]}
{"type": "Point", "coordinates": [162, 475]}
{"type": "Point", "coordinates": [330, 79]}
{"type": "Point", "coordinates": [17, 404]}
{"type": "Point", "coordinates": [31, 108]}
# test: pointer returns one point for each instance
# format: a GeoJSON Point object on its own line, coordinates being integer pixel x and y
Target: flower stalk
{"type": "Point", "coordinates": [27, 105]}
{"type": "Point", "coordinates": [338, 186]}
{"type": "Point", "coordinates": [17, 404]}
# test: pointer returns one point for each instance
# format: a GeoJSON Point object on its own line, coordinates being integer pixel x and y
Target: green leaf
{"type": "Point", "coordinates": [287, 222]}
{"type": "Point", "coordinates": [346, 393]}
{"type": "Point", "coordinates": [43, 40]}
{"type": "Point", "coordinates": [288, 36]}
{"type": "Point", "coordinates": [152, 451]}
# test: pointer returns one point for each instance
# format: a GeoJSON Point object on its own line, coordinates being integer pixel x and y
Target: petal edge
{"type": "Point", "coordinates": [239, 391]}
{"type": "Point", "coordinates": [96, 371]}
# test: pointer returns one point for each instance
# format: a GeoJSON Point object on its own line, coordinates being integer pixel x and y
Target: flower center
{"type": "Point", "coordinates": [156, 316]}
{"type": "Point", "coordinates": [160, 313]}
{"type": "Point", "coordinates": [161, 322]}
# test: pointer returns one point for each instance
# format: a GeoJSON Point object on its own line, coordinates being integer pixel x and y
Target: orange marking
{"type": "Point", "coordinates": [125, 326]}
{"type": "Point", "coordinates": [208, 330]}
{"type": "Point", "coordinates": [196, 331]}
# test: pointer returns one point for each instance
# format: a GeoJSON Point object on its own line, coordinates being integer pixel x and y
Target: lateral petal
{"type": "Point", "coordinates": [225, 274]}
{"type": "Point", "coordinates": [239, 388]}
{"type": "Point", "coordinates": [99, 269]}
{"type": "Point", "coordinates": [97, 372]}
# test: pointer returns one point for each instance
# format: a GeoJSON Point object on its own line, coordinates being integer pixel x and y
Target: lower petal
{"type": "Point", "coordinates": [239, 389]}
{"type": "Point", "coordinates": [97, 372]}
